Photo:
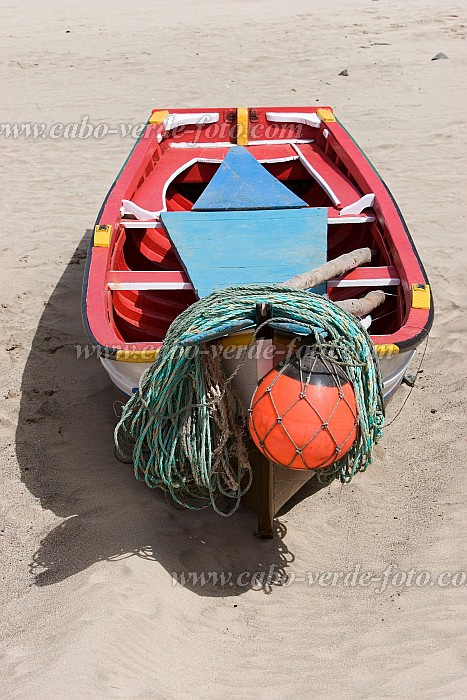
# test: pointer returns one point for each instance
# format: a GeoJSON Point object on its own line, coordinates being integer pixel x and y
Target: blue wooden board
{"type": "Point", "coordinates": [241, 183]}
{"type": "Point", "coordinates": [222, 249]}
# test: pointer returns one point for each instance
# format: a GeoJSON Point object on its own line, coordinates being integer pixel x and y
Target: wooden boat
{"type": "Point", "coordinates": [237, 196]}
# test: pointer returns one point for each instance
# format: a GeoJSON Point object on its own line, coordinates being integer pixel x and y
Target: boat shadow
{"type": "Point", "coordinates": [64, 444]}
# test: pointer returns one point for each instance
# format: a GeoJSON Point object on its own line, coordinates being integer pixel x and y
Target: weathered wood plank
{"type": "Point", "coordinates": [221, 249]}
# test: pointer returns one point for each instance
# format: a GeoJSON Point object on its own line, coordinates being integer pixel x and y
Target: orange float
{"type": "Point", "coordinates": [303, 414]}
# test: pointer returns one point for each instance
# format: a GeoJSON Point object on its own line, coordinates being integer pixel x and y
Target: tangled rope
{"type": "Point", "coordinates": [181, 428]}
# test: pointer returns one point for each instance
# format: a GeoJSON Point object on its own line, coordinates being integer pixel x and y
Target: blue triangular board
{"type": "Point", "coordinates": [221, 249]}
{"type": "Point", "coordinates": [241, 183]}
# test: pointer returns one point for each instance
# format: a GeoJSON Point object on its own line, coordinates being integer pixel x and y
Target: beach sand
{"type": "Point", "coordinates": [90, 603]}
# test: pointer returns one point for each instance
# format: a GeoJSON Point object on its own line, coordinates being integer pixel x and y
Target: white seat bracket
{"type": "Point", "coordinates": [357, 207]}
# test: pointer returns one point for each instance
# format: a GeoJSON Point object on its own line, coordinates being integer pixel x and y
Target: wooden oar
{"type": "Point", "coordinates": [332, 268]}
{"type": "Point", "coordinates": [335, 268]}
{"type": "Point", "coordinates": [365, 305]}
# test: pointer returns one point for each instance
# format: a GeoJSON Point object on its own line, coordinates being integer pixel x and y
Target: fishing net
{"type": "Point", "coordinates": [180, 429]}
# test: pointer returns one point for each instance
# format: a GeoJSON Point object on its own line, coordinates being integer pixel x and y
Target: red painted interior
{"type": "Point", "coordinates": [156, 175]}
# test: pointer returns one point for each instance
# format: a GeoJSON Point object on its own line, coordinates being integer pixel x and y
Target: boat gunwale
{"type": "Point", "coordinates": [97, 321]}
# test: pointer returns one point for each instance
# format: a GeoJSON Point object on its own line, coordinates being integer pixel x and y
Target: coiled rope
{"type": "Point", "coordinates": [181, 428]}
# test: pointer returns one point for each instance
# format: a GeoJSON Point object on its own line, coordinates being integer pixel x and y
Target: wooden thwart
{"type": "Point", "coordinates": [332, 268]}
{"type": "Point", "coordinates": [145, 280]}
{"type": "Point", "coordinates": [385, 276]}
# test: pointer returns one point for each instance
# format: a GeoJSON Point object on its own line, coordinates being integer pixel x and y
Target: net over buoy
{"type": "Point", "coordinates": [303, 414]}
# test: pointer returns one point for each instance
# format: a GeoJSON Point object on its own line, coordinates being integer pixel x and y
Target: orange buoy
{"type": "Point", "coordinates": [303, 414]}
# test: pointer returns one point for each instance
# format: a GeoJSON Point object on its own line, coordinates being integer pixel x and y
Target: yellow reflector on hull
{"type": "Point", "coordinates": [387, 350]}
{"type": "Point", "coordinates": [326, 115]}
{"type": "Point", "coordinates": [421, 296]}
{"type": "Point", "coordinates": [102, 235]}
{"type": "Point", "coordinates": [136, 355]}
{"type": "Point", "coordinates": [158, 117]}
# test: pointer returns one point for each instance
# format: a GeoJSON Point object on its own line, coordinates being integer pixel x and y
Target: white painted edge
{"type": "Point", "coordinates": [357, 207]}
{"type": "Point", "coordinates": [123, 286]}
{"type": "Point", "coordinates": [140, 213]}
{"type": "Point", "coordinates": [352, 220]}
{"type": "Point", "coordinates": [285, 159]}
{"type": "Point", "coordinates": [228, 144]}
{"type": "Point", "coordinates": [317, 177]}
{"type": "Point", "coordinates": [294, 118]}
{"type": "Point", "coordinates": [135, 223]}
{"type": "Point", "coordinates": [366, 321]}
{"type": "Point", "coordinates": [192, 144]}
{"type": "Point", "coordinates": [375, 282]}
{"type": "Point", "coordinates": [173, 121]}
{"type": "Point", "coordinates": [279, 142]}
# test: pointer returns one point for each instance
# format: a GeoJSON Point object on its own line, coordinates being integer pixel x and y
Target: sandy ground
{"type": "Point", "coordinates": [89, 556]}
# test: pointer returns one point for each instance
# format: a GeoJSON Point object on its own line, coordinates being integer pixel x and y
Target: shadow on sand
{"type": "Point", "coordinates": [65, 449]}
